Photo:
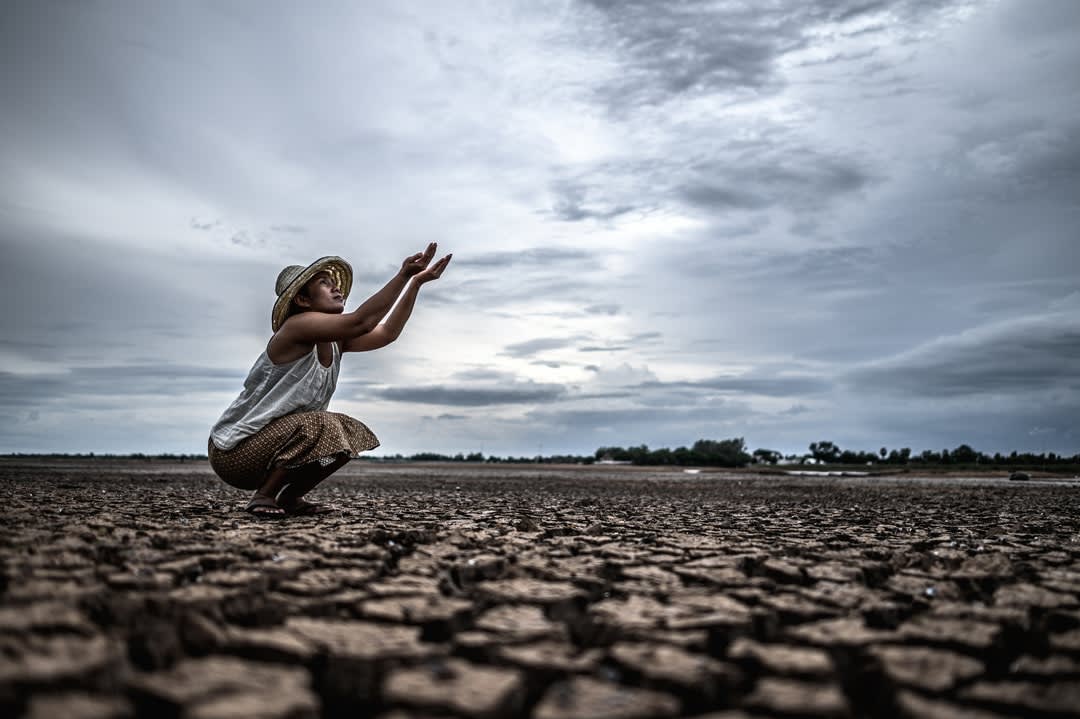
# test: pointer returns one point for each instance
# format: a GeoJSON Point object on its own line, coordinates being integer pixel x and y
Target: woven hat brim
{"type": "Point", "coordinates": [338, 268]}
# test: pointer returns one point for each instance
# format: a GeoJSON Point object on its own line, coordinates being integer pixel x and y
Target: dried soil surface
{"type": "Point", "coordinates": [141, 589]}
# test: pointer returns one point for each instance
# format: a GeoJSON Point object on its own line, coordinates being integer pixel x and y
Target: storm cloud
{"type": "Point", "coordinates": [1020, 357]}
{"type": "Point", "coordinates": [841, 220]}
{"type": "Point", "coordinates": [451, 396]}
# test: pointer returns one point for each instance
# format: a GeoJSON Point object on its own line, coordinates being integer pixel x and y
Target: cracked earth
{"type": "Point", "coordinates": [140, 589]}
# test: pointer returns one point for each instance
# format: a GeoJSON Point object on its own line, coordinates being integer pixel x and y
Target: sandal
{"type": "Point", "coordinates": [264, 507]}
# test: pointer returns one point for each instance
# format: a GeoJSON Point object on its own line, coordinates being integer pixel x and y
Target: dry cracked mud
{"type": "Point", "coordinates": [141, 589]}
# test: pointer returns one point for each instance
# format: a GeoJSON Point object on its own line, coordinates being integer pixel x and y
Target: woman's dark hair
{"type": "Point", "coordinates": [293, 307]}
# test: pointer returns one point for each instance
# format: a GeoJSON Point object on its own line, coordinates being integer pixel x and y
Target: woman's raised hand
{"type": "Point", "coordinates": [414, 264]}
{"type": "Point", "coordinates": [434, 272]}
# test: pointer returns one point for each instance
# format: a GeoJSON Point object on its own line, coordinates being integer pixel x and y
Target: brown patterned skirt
{"type": "Point", "coordinates": [291, 441]}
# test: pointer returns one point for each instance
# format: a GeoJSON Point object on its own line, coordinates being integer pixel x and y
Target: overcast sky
{"type": "Point", "coordinates": [784, 220]}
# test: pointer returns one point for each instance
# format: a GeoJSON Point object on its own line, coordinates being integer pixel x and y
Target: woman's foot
{"type": "Point", "coordinates": [297, 506]}
{"type": "Point", "coordinates": [262, 506]}
{"type": "Point", "coordinates": [303, 508]}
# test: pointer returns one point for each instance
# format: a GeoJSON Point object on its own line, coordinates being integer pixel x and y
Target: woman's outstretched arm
{"type": "Point", "coordinates": [390, 330]}
{"type": "Point", "coordinates": [376, 306]}
{"type": "Point", "coordinates": [306, 328]}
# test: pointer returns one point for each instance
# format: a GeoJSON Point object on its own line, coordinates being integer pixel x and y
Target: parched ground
{"type": "Point", "coordinates": [140, 589]}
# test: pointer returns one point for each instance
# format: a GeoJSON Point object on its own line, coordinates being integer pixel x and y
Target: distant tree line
{"type": "Point", "coordinates": [703, 453]}
{"type": "Point", "coordinates": [830, 453]}
{"type": "Point", "coordinates": [479, 457]}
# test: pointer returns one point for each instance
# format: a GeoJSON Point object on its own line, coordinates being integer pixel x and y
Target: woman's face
{"type": "Point", "coordinates": [320, 294]}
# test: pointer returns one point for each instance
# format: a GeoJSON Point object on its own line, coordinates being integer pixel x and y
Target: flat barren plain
{"type": "Point", "coordinates": [133, 588]}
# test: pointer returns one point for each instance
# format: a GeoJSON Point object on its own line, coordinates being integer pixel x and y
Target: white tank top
{"type": "Point", "coordinates": [272, 391]}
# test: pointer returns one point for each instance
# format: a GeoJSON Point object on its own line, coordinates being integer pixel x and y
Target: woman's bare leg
{"type": "Point", "coordinates": [301, 481]}
{"type": "Point", "coordinates": [277, 479]}
{"type": "Point", "coordinates": [284, 487]}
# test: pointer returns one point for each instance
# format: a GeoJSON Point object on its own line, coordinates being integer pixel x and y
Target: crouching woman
{"type": "Point", "coordinates": [278, 438]}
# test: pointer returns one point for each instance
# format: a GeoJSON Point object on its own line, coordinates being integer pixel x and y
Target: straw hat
{"type": "Point", "coordinates": [293, 278]}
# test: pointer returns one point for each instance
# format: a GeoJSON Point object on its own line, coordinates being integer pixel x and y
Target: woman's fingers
{"type": "Point", "coordinates": [437, 269]}
{"type": "Point", "coordinates": [425, 256]}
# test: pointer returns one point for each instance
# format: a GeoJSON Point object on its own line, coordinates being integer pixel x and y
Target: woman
{"type": "Point", "coordinates": [277, 437]}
